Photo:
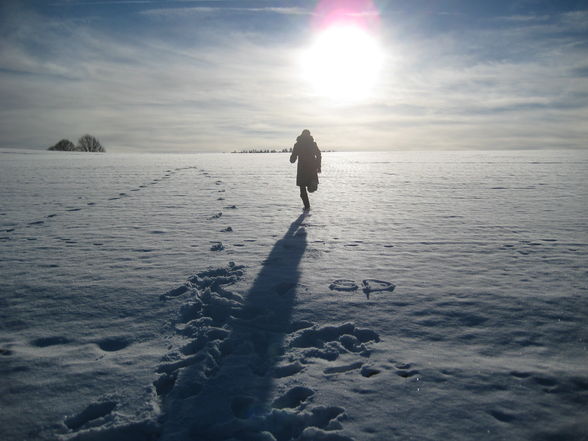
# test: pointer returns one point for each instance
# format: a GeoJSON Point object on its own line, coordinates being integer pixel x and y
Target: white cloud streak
{"type": "Point", "coordinates": [181, 11]}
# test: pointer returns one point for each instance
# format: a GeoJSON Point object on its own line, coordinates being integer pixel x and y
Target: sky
{"type": "Point", "coordinates": [193, 76]}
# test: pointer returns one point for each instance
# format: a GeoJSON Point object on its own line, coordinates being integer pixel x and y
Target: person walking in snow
{"type": "Point", "coordinates": [309, 165]}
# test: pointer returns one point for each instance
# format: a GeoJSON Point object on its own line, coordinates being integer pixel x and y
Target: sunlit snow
{"type": "Point", "coordinates": [425, 296]}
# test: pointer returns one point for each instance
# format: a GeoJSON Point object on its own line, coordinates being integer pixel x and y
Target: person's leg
{"type": "Point", "coordinates": [304, 197]}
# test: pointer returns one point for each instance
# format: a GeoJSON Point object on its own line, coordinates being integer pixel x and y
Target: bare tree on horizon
{"type": "Point", "coordinates": [88, 143]}
{"type": "Point", "coordinates": [65, 145]}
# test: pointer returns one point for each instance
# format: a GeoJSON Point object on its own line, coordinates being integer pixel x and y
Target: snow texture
{"type": "Point", "coordinates": [425, 296]}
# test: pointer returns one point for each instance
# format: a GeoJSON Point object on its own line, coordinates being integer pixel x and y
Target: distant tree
{"type": "Point", "coordinates": [65, 145]}
{"type": "Point", "coordinates": [88, 143]}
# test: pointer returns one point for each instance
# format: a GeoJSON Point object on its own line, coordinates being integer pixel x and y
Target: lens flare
{"type": "Point", "coordinates": [358, 13]}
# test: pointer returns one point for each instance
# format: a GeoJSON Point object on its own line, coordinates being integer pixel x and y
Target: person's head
{"type": "Point", "coordinates": [305, 132]}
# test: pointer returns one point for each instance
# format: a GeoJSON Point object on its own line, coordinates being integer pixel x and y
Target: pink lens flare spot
{"type": "Point", "coordinates": [359, 13]}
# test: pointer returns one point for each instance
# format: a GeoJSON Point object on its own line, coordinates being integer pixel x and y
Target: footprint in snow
{"type": "Point", "coordinates": [374, 285]}
{"type": "Point", "coordinates": [503, 417]}
{"type": "Point", "coordinates": [343, 285]}
{"type": "Point", "coordinates": [287, 370]}
{"type": "Point", "coordinates": [404, 370]}
{"type": "Point", "coordinates": [44, 342]}
{"type": "Point", "coordinates": [329, 342]}
{"type": "Point", "coordinates": [343, 368]}
{"type": "Point", "coordinates": [369, 285]}
{"type": "Point", "coordinates": [293, 398]}
{"type": "Point", "coordinates": [113, 344]}
{"type": "Point", "coordinates": [217, 246]}
{"type": "Point", "coordinates": [205, 321]}
{"type": "Point", "coordinates": [90, 413]}
{"type": "Point", "coordinates": [369, 371]}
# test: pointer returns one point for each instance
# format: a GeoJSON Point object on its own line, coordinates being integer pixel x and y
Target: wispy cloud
{"type": "Point", "coordinates": [146, 94]}
{"type": "Point", "coordinates": [518, 82]}
{"type": "Point", "coordinates": [180, 11]}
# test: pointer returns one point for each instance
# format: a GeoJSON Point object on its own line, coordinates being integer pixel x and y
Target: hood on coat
{"type": "Point", "coordinates": [305, 137]}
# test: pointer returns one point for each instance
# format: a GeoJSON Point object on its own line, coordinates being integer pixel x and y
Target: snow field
{"type": "Point", "coordinates": [424, 297]}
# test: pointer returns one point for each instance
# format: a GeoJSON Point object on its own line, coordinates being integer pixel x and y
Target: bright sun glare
{"type": "Point", "coordinates": [343, 63]}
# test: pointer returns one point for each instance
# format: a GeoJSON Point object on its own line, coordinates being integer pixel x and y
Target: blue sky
{"type": "Point", "coordinates": [223, 75]}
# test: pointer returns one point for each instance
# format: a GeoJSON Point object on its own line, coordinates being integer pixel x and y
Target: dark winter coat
{"type": "Point", "coordinates": [309, 160]}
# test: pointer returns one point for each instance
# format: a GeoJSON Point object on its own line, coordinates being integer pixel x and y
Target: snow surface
{"type": "Point", "coordinates": [426, 296]}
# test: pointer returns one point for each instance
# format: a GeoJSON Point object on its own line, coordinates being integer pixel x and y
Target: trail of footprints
{"type": "Point", "coordinates": [218, 245]}
{"type": "Point", "coordinates": [168, 174]}
{"type": "Point", "coordinates": [207, 321]}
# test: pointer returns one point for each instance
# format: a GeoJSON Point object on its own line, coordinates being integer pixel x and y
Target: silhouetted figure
{"type": "Point", "coordinates": [309, 165]}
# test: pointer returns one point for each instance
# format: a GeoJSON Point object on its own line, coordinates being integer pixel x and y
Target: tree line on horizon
{"type": "Point", "coordinates": [254, 150]}
{"type": "Point", "coordinates": [278, 150]}
{"type": "Point", "coordinates": [86, 143]}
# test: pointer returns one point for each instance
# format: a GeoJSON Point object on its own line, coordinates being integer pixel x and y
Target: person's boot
{"type": "Point", "coordinates": [306, 202]}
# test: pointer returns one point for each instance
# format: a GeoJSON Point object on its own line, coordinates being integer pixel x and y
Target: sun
{"type": "Point", "coordinates": [343, 63]}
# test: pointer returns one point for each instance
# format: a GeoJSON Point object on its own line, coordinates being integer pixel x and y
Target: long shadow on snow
{"type": "Point", "coordinates": [235, 401]}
